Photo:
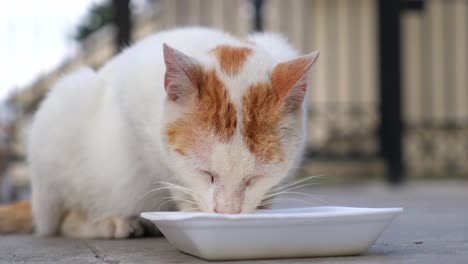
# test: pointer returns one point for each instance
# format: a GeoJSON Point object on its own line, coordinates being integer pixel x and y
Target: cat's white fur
{"type": "Point", "coordinates": [96, 144]}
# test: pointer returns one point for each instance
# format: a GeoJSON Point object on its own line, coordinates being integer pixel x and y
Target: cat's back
{"type": "Point", "coordinates": [62, 116]}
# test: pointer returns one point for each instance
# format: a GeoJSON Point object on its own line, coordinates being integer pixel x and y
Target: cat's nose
{"type": "Point", "coordinates": [228, 200]}
{"type": "Point", "coordinates": [227, 210]}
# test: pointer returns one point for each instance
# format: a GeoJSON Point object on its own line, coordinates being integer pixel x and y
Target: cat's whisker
{"type": "Point", "coordinates": [290, 189]}
{"type": "Point", "coordinates": [169, 184]}
{"type": "Point", "coordinates": [184, 196]}
{"type": "Point", "coordinates": [296, 182]}
{"type": "Point", "coordinates": [315, 197]}
{"type": "Point", "coordinates": [277, 190]}
{"type": "Point", "coordinates": [188, 193]}
{"type": "Point", "coordinates": [172, 199]}
{"type": "Point", "coordinates": [192, 209]}
{"type": "Point", "coordinates": [150, 192]}
{"type": "Point", "coordinates": [301, 180]}
{"type": "Point", "coordinates": [287, 199]}
{"type": "Point", "coordinates": [175, 187]}
{"type": "Point", "coordinates": [176, 199]}
{"type": "Point", "coordinates": [184, 189]}
{"type": "Point", "coordinates": [157, 189]}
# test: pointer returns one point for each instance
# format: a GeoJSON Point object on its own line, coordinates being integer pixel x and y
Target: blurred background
{"type": "Point", "coordinates": [389, 96]}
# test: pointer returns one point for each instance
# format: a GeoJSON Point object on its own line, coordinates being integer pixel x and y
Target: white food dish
{"type": "Point", "coordinates": [280, 233]}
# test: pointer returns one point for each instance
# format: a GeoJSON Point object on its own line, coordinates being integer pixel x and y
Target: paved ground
{"type": "Point", "coordinates": [433, 229]}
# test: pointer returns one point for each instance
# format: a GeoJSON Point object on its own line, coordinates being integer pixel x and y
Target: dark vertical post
{"type": "Point", "coordinates": [391, 124]}
{"type": "Point", "coordinates": [122, 23]}
{"type": "Point", "coordinates": [258, 19]}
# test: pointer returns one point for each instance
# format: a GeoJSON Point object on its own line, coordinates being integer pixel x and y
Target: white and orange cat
{"type": "Point", "coordinates": [196, 117]}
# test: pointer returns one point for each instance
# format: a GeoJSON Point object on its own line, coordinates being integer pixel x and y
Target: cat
{"type": "Point", "coordinates": [193, 118]}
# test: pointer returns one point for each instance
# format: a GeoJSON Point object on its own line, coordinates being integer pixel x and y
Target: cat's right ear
{"type": "Point", "coordinates": [183, 75]}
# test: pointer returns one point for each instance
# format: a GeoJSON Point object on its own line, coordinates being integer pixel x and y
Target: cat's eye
{"type": "Point", "coordinates": [251, 180]}
{"type": "Point", "coordinates": [211, 175]}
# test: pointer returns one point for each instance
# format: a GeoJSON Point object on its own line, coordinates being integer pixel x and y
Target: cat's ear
{"type": "Point", "coordinates": [183, 75]}
{"type": "Point", "coordinates": [290, 79]}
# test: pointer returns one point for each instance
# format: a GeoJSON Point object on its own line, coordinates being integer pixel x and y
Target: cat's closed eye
{"type": "Point", "coordinates": [210, 175]}
{"type": "Point", "coordinates": [252, 179]}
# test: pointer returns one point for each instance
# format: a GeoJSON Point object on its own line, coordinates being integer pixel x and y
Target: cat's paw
{"type": "Point", "coordinates": [78, 225]}
{"type": "Point", "coordinates": [120, 227]}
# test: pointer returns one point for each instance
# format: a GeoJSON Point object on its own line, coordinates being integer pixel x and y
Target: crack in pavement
{"type": "Point", "coordinates": [100, 255]}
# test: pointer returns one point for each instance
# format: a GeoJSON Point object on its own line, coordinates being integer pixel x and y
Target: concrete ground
{"type": "Point", "coordinates": [432, 229]}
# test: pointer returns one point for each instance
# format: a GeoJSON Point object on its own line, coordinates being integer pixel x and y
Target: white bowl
{"type": "Point", "coordinates": [281, 233]}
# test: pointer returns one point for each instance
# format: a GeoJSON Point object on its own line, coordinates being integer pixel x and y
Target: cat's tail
{"type": "Point", "coordinates": [16, 217]}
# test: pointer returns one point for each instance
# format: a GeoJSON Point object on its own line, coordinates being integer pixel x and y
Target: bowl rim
{"type": "Point", "coordinates": [264, 214]}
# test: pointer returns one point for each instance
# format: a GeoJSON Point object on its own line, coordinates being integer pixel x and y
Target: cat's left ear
{"type": "Point", "coordinates": [183, 75]}
{"type": "Point", "coordinates": [289, 79]}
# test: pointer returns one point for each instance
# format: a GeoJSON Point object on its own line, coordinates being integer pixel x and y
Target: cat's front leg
{"type": "Point", "coordinates": [76, 224]}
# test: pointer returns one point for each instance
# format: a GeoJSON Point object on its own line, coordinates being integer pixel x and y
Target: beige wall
{"type": "Point", "coordinates": [435, 83]}
{"type": "Point", "coordinates": [436, 62]}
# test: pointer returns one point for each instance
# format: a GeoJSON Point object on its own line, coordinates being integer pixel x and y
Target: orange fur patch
{"type": "Point", "coordinates": [212, 112]}
{"type": "Point", "coordinates": [261, 116]}
{"type": "Point", "coordinates": [16, 217]}
{"type": "Point", "coordinates": [285, 75]}
{"type": "Point", "coordinates": [231, 58]}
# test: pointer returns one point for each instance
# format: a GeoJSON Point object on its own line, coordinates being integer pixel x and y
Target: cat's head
{"type": "Point", "coordinates": [234, 124]}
